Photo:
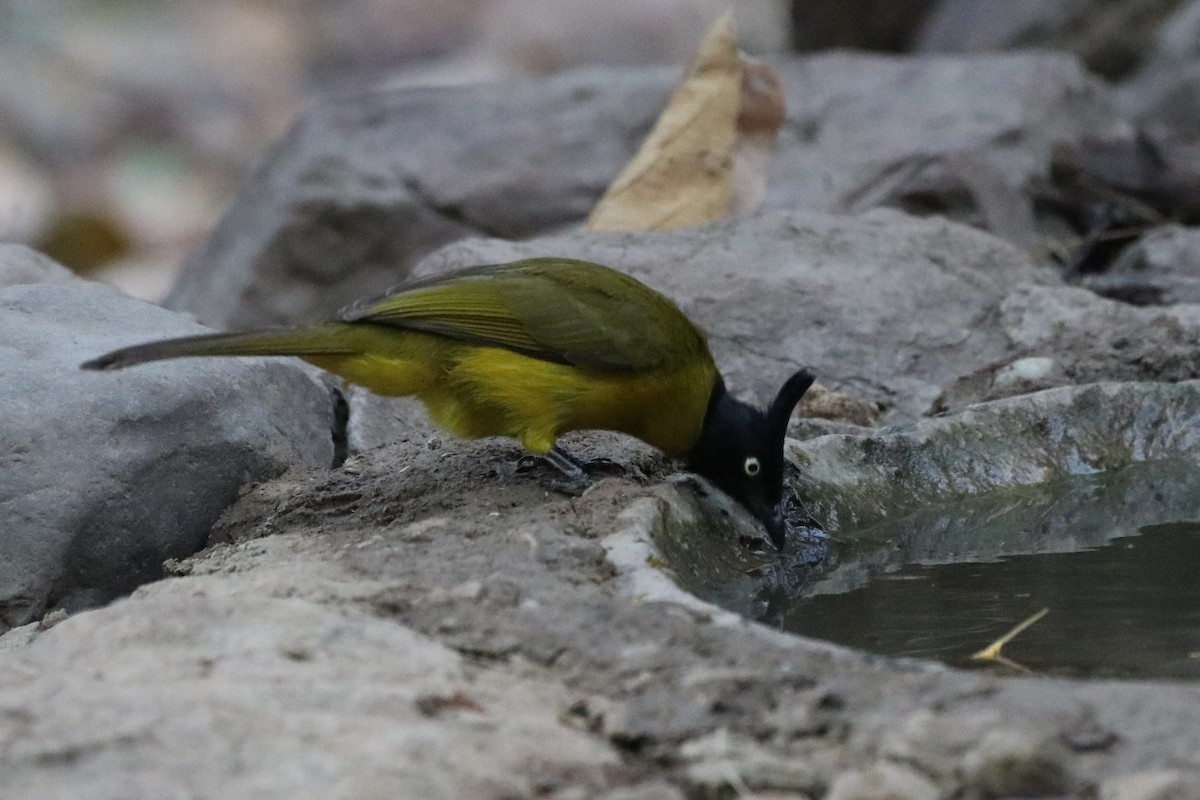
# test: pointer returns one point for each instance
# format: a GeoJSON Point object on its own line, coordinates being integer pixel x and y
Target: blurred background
{"type": "Point", "coordinates": [126, 124]}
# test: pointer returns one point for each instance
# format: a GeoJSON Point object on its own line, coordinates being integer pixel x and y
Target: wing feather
{"type": "Point", "coordinates": [560, 310]}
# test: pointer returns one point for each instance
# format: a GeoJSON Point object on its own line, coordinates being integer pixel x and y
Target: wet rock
{"type": "Point", "coordinates": [1164, 784]}
{"type": "Point", "coordinates": [23, 265]}
{"type": "Point", "coordinates": [1063, 335]}
{"type": "Point", "coordinates": [780, 291]}
{"type": "Point", "coordinates": [1111, 38]}
{"type": "Point", "coordinates": [107, 475]}
{"type": "Point", "coordinates": [849, 482]}
{"type": "Point", "coordinates": [1011, 762]}
{"type": "Point", "coordinates": [1160, 268]}
{"type": "Point", "coordinates": [883, 781]}
{"type": "Point", "coordinates": [366, 184]}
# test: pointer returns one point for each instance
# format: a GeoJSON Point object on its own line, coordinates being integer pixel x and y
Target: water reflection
{"type": "Point", "coordinates": [1128, 609]}
{"type": "Point", "coordinates": [1113, 555]}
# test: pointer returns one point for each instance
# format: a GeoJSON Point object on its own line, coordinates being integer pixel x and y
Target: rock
{"type": "Point", "coordinates": [364, 629]}
{"type": "Point", "coordinates": [1111, 38]}
{"type": "Point", "coordinates": [109, 474]}
{"type": "Point", "coordinates": [658, 790]}
{"type": "Point", "coordinates": [721, 760]}
{"type": "Point", "coordinates": [1163, 784]}
{"type": "Point", "coordinates": [374, 420]}
{"type": "Point", "coordinates": [23, 265]}
{"type": "Point", "coordinates": [858, 24]}
{"type": "Point", "coordinates": [883, 781]}
{"type": "Point", "coordinates": [1162, 94]}
{"type": "Point", "coordinates": [366, 184]}
{"type": "Point", "coordinates": [780, 291]}
{"type": "Point", "coordinates": [287, 713]}
{"type": "Point", "coordinates": [1062, 336]}
{"type": "Point", "coordinates": [969, 138]}
{"type": "Point", "coordinates": [544, 36]}
{"type": "Point", "coordinates": [852, 482]}
{"type": "Point", "coordinates": [1160, 268]}
{"type": "Point", "coordinates": [824, 403]}
{"type": "Point", "coordinates": [26, 194]}
{"type": "Point", "coordinates": [1012, 762]}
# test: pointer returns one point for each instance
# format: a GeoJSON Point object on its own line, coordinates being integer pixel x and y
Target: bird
{"type": "Point", "coordinates": [535, 348]}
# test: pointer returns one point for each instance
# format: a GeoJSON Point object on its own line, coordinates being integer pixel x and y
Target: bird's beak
{"type": "Point", "coordinates": [771, 516]}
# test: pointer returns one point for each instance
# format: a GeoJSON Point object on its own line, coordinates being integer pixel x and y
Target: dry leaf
{"type": "Point", "coordinates": [682, 175]}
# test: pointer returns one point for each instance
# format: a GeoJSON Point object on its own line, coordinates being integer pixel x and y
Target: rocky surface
{"type": "Point", "coordinates": [968, 138]}
{"type": "Point", "coordinates": [433, 618]}
{"type": "Point", "coordinates": [366, 627]}
{"type": "Point", "coordinates": [1162, 93]}
{"type": "Point", "coordinates": [855, 481]}
{"type": "Point", "coordinates": [1064, 335]}
{"type": "Point", "coordinates": [106, 475]}
{"type": "Point", "coordinates": [367, 184]}
{"type": "Point", "coordinates": [1160, 268]}
{"type": "Point", "coordinates": [1111, 38]}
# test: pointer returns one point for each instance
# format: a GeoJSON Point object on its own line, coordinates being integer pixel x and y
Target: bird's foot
{"type": "Point", "coordinates": [574, 476]}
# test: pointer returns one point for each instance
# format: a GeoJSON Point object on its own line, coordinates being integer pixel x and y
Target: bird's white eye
{"type": "Point", "coordinates": [751, 466]}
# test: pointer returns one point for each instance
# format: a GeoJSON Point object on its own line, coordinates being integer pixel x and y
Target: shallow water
{"type": "Point", "coordinates": [1115, 557]}
{"type": "Point", "coordinates": [1128, 609]}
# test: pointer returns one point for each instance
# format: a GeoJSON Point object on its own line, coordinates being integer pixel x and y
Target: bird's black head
{"type": "Point", "coordinates": [740, 449]}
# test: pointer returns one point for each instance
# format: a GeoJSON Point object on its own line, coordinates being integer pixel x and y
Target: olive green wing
{"type": "Point", "coordinates": [560, 310]}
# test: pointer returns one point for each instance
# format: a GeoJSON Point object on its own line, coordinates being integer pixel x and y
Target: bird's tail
{"type": "Point", "coordinates": [319, 340]}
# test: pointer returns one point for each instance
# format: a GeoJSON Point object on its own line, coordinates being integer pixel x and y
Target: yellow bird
{"type": "Point", "coordinates": [533, 349]}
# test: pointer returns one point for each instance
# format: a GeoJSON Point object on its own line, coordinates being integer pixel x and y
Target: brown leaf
{"type": "Point", "coordinates": [682, 175]}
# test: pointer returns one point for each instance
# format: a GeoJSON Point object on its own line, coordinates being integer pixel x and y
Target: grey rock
{"type": "Point", "coordinates": [1064, 335]}
{"type": "Point", "coordinates": [366, 184]}
{"type": "Point", "coordinates": [106, 475]}
{"type": "Point", "coordinates": [852, 482]}
{"type": "Point", "coordinates": [1161, 267]}
{"type": "Point", "coordinates": [968, 137]}
{"type": "Point", "coordinates": [315, 657]}
{"type": "Point", "coordinates": [1017, 763]}
{"type": "Point", "coordinates": [22, 265]}
{"type": "Point", "coordinates": [720, 760]}
{"type": "Point", "coordinates": [1111, 38]}
{"type": "Point", "coordinates": [1160, 784]}
{"type": "Point", "coordinates": [235, 687]}
{"type": "Point", "coordinates": [883, 781]}
{"type": "Point", "coordinates": [1162, 94]}
{"type": "Point", "coordinates": [884, 306]}
{"type": "Point", "coordinates": [374, 420]}
{"type": "Point", "coordinates": [886, 25]}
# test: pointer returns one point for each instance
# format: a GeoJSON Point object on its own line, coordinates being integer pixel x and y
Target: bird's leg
{"type": "Point", "coordinates": [565, 464]}
{"type": "Point", "coordinates": [576, 476]}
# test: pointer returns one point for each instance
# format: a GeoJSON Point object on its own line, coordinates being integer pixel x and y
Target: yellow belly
{"type": "Point", "coordinates": [474, 391]}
